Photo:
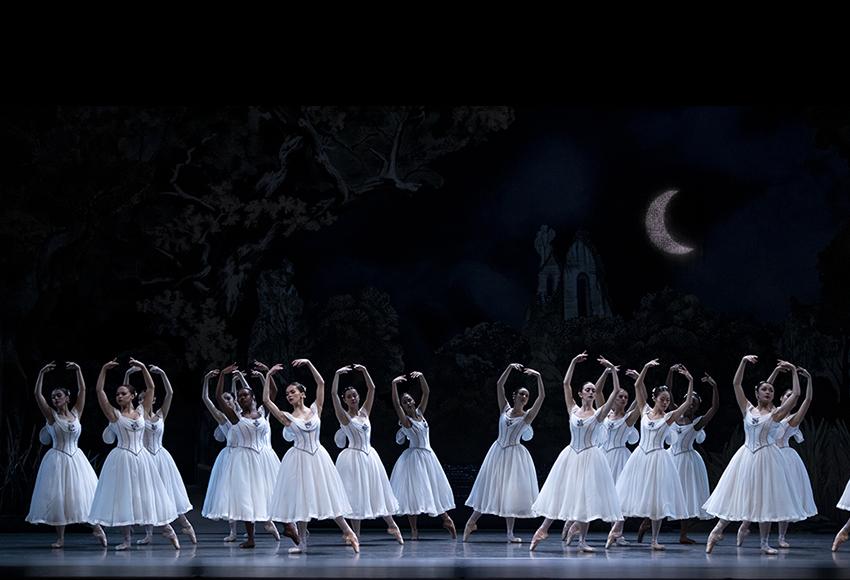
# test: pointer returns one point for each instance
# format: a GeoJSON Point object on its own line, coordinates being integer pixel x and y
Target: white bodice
{"type": "Point", "coordinates": [512, 430]}
{"type": "Point", "coordinates": [584, 431]}
{"type": "Point", "coordinates": [784, 432]}
{"type": "Point", "coordinates": [64, 434]}
{"type": "Point", "coordinates": [653, 432]}
{"type": "Point", "coordinates": [618, 434]}
{"type": "Point", "coordinates": [759, 430]}
{"type": "Point", "coordinates": [357, 433]}
{"type": "Point", "coordinates": [153, 433]}
{"type": "Point", "coordinates": [417, 434]}
{"type": "Point", "coordinates": [304, 434]}
{"type": "Point", "coordinates": [129, 433]}
{"type": "Point", "coordinates": [249, 433]}
{"type": "Point", "coordinates": [683, 437]}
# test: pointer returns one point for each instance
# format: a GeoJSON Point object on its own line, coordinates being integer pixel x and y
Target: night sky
{"type": "Point", "coordinates": [757, 199]}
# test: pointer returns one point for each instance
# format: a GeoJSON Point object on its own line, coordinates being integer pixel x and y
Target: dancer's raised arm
{"type": "Point", "coordinates": [541, 394]}
{"type": "Point", "coordinates": [169, 391]}
{"type": "Point", "coordinates": [798, 417]}
{"type": "Point", "coordinates": [219, 417]}
{"type": "Point", "coordinates": [270, 405]}
{"type": "Point", "coordinates": [102, 400]}
{"type": "Point", "coordinates": [680, 410]}
{"type": "Point", "coordinates": [39, 395]}
{"type": "Point", "coordinates": [568, 380]}
{"type": "Point", "coordinates": [320, 382]}
{"type": "Point", "coordinates": [80, 404]}
{"type": "Point", "coordinates": [402, 416]}
{"type": "Point", "coordinates": [737, 382]}
{"type": "Point", "coordinates": [715, 403]}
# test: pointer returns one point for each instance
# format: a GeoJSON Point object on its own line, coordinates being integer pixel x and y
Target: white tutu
{"type": "Point", "coordinates": [617, 459]}
{"type": "Point", "coordinates": [170, 475]}
{"type": "Point", "coordinates": [800, 483]}
{"type": "Point", "coordinates": [154, 430]}
{"type": "Point", "coordinates": [755, 486]}
{"type": "Point", "coordinates": [579, 488]}
{"type": "Point", "coordinates": [66, 482]}
{"type": "Point", "coordinates": [247, 474]}
{"type": "Point", "coordinates": [616, 433]}
{"type": "Point", "coordinates": [690, 467]}
{"type": "Point", "coordinates": [308, 485]}
{"type": "Point", "coordinates": [649, 485]}
{"type": "Point", "coordinates": [215, 502]}
{"type": "Point", "coordinates": [694, 479]}
{"type": "Point", "coordinates": [844, 501]}
{"type": "Point", "coordinates": [418, 479]}
{"type": "Point", "coordinates": [366, 483]}
{"type": "Point", "coordinates": [130, 491]}
{"type": "Point", "coordinates": [506, 484]}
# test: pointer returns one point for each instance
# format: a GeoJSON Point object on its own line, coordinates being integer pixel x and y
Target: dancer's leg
{"type": "Point", "coordinates": [764, 532]}
{"type": "Point", "coordinates": [470, 525]}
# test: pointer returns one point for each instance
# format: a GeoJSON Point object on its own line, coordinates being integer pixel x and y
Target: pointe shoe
{"type": "Point", "coordinates": [190, 531]}
{"type": "Point", "coordinates": [538, 537]}
{"type": "Point", "coordinates": [621, 541]}
{"type": "Point", "coordinates": [231, 537]}
{"type": "Point", "coordinates": [514, 540]}
{"type": "Point", "coordinates": [296, 549]}
{"type": "Point", "coordinates": [57, 544]}
{"type": "Point", "coordinates": [768, 550]}
{"type": "Point", "coordinates": [144, 541]}
{"type": "Point", "coordinates": [586, 548]}
{"type": "Point", "coordinates": [291, 532]}
{"type": "Point", "coordinates": [713, 538]}
{"type": "Point", "coordinates": [100, 535]}
{"type": "Point", "coordinates": [610, 540]}
{"type": "Point", "coordinates": [686, 540]}
{"type": "Point", "coordinates": [414, 535]}
{"type": "Point", "coordinates": [450, 526]}
{"type": "Point", "coordinates": [172, 536]}
{"type": "Point", "coordinates": [743, 532]}
{"type": "Point", "coordinates": [247, 544]}
{"type": "Point", "coordinates": [784, 544]}
{"type": "Point", "coordinates": [396, 533]}
{"type": "Point", "coordinates": [468, 529]}
{"type": "Point", "coordinates": [841, 537]}
{"type": "Point", "coordinates": [641, 532]}
{"type": "Point", "coordinates": [564, 532]}
{"type": "Point", "coordinates": [123, 546]}
{"type": "Point", "coordinates": [351, 539]}
{"type": "Point", "coordinates": [571, 534]}
{"type": "Point", "coordinates": [657, 546]}
{"type": "Point", "coordinates": [272, 529]}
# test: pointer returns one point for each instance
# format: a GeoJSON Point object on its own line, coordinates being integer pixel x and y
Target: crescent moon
{"type": "Point", "coordinates": [656, 225]}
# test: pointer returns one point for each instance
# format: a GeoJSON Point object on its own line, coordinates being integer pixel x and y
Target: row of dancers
{"type": "Point", "coordinates": [594, 477]}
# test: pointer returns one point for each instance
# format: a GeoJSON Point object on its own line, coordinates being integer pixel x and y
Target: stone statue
{"type": "Point", "coordinates": [543, 243]}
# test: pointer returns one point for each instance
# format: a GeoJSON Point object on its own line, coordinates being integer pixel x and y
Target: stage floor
{"type": "Point", "coordinates": [433, 556]}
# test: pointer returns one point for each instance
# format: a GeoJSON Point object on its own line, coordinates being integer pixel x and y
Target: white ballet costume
{"type": "Point", "coordinates": [755, 485]}
{"type": "Point", "coordinates": [619, 433]}
{"type": "Point", "coordinates": [66, 482]}
{"type": "Point", "coordinates": [359, 465]}
{"type": "Point", "coordinates": [506, 484]}
{"type": "Point", "coordinates": [418, 479]}
{"type": "Point", "coordinates": [248, 473]}
{"type": "Point", "coordinates": [690, 466]}
{"type": "Point", "coordinates": [130, 490]}
{"type": "Point", "coordinates": [797, 473]}
{"type": "Point", "coordinates": [308, 485]}
{"type": "Point", "coordinates": [649, 485]}
{"type": "Point", "coordinates": [215, 502]}
{"type": "Point", "coordinates": [580, 486]}
{"type": "Point", "coordinates": [844, 500]}
{"type": "Point", "coordinates": [164, 463]}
